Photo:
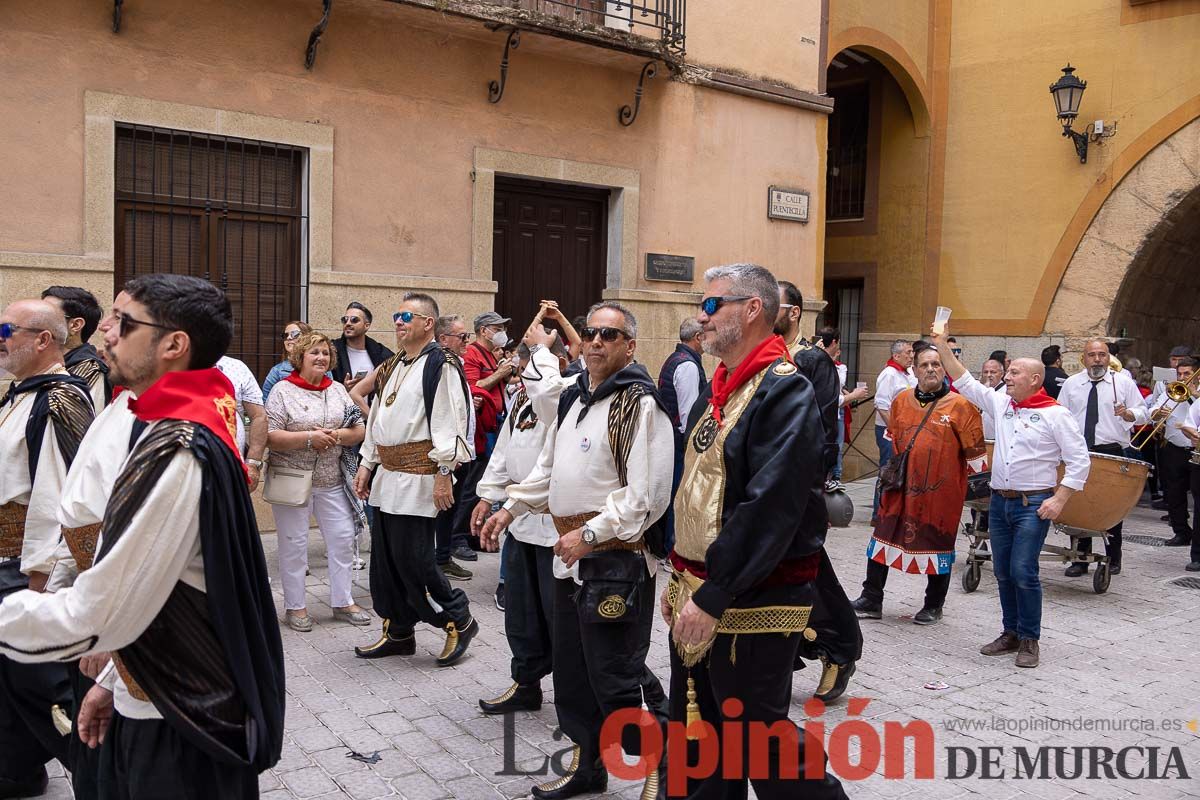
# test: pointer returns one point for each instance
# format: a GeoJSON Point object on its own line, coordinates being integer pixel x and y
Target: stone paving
{"type": "Point", "coordinates": [1130, 658]}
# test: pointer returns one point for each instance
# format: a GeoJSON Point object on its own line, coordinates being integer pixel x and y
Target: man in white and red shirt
{"type": "Point", "coordinates": [1033, 434]}
{"type": "Point", "coordinates": [893, 380]}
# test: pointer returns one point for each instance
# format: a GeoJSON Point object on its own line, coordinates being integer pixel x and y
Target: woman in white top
{"type": "Point", "coordinates": [312, 424]}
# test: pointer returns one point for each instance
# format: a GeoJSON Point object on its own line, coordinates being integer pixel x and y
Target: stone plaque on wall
{"type": "Point", "coordinates": [788, 204]}
{"type": "Point", "coordinates": [662, 267]}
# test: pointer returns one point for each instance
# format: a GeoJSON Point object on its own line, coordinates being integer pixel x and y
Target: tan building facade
{"type": "Point", "coordinates": [195, 139]}
{"type": "Point", "coordinates": [950, 182]}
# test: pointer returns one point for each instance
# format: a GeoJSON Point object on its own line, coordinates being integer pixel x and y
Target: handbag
{"type": "Point", "coordinates": [893, 476]}
{"type": "Point", "coordinates": [291, 486]}
{"type": "Point", "coordinates": [612, 582]}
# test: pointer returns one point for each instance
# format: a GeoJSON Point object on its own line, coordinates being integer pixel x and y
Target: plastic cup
{"type": "Point", "coordinates": [860, 385]}
{"type": "Point", "coordinates": [940, 318]}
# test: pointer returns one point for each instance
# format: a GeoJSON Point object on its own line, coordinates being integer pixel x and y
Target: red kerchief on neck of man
{"type": "Point", "coordinates": [1038, 399]}
{"type": "Point", "coordinates": [767, 352]}
{"type": "Point", "coordinates": [202, 396]}
{"type": "Point", "coordinates": [896, 365]}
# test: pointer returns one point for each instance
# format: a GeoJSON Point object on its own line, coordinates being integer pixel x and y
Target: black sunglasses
{"type": "Point", "coordinates": [127, 323]}
{"type": "Point", "coordinates": [606, 334]}
{"type": "Point", "coordinates": [710, 305]}
{"type": "Point", "coordinates": [462, 337]}
{"type": "Point", "coordinates": [346, 320]}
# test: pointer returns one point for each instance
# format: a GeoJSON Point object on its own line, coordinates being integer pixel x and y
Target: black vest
{"type": "Point", "coordinates": [666, 381]}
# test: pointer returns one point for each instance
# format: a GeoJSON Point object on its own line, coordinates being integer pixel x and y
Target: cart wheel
{"type": "Point", "coordinates": [970, 578]}
{"type": "Point", "coordinates": [1101, 579]}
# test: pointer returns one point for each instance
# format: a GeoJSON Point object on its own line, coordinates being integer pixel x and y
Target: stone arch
{"type": "Point", "coordinates": [898, 62]}
{"type": "Point", "coordinates": [1131, 272]}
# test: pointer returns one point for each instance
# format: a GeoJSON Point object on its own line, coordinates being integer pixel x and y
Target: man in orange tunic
{"type": "Point", "coordinates": [943, 435]}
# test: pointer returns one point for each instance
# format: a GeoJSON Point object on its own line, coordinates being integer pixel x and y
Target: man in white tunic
{"type": "Point", "coordinates": [528, 552]}
{"type": "Point", "coordinates": [178, 550]}
{"type": "Point", "coordinates": [416, 435]}
{"type": "Point", "coordinates": [604, 475]}
{"type": "Point", "coordinates": [42, 419]}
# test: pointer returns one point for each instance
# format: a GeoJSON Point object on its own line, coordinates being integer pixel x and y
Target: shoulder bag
{"type": "Point", "coordinates": [893, 476]}
{"type": "Point", "coordinates": [291, 486]}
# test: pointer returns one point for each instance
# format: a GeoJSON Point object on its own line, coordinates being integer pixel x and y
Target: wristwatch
{"type": "Point", "coordinates": [589, 535]}
{"type": "Point", "coordinates": [444, 470]}
{"type": "Point", "coordinates": [254, 462]}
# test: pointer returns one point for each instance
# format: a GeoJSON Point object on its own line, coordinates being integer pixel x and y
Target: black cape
{"type": "Point", "coordinates": [63, 401]}
{"type": "Point", "coordinates": [212, 661]}
{"type": "Point", "coordinates": [816, 365]}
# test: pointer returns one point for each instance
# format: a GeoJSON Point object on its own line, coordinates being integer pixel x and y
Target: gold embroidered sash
{"type": "Point", "coordinates": [12, 529]}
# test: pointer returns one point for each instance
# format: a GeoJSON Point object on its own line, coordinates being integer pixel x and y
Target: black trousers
{"type": "Point", "coordinates": [449, 534]}
{"type": "Point", "coordinates": [1195, 484]}
{"type": "Point", "coordinates": [1176, 481]}
{"type": "Point", "coordinates": [529, 609]}
{"type": "Point", "coordinates": [146, 759]}
{"type": "Point", "coordinates": [839, 637]}
{"type": "Point", "coordinates": [85, 761]}
{"type": "Point", "coordinates": [405, 577]}
{"type": "Point", "coordinates": [1112, 547]}
{"type": "Point", "coordinates": [760, 676]}
{"type": "Point", "coordinates": [28, 738]}
{"type": "Point", "coordinates": [600, 667]}
{"type": "Point", "coordinates": [877, 575]}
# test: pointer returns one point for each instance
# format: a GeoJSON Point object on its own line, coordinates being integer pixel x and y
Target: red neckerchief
{"type": "Point", "coordinates": [767, 352]}
{"type": "Point", "coordinates": [896, 366]}
{"type": "Point", "coordinates": [1038, 399]}
{"type": "Point", "coordinates": [202, 396]}
{"type": "Point", "coordinates": [294, 377]}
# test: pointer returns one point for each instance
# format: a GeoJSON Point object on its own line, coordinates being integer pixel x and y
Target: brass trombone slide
{"type": "Point", "coordinates": [1177, 392]}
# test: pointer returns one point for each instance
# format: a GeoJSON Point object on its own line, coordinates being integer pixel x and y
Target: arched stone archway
{"type": "Point", "coordinates": [1136, 270]}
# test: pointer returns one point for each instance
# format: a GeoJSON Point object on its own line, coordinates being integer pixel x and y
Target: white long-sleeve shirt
{"type": "Point", "coordinates": [1115, 387]}
{"type": "Point", "coordinates": [544, 383]}
{"type": "Point", "coordinates": [111, 604]}
{"type": "Point", "coordinates": [513, 459]}
{"type": "Point", "coordinates": [1030, 442]}
{"type": "Point", "coordinates": [576, 474]}
{"type": "Point", "coordinates": [39, 495]}
{"type": "Point", "coordinates": [1179, 416]}
{"type": "Point", "coordinates": [890, 383]}
{"type": "Point", "coordinates": [686, 380]}
{"type": "Point", "coordinates": [398, 417]}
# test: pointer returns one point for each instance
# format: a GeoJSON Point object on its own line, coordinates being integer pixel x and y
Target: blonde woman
{"type": "Point", "coordinates": [291, 333]}
{"type": "Point", "coordinates": [313, 424]}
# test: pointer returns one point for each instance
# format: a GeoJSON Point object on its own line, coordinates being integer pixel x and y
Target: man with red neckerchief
{"type": "Point", "coordinates": [178, 589]}
{"type": "Point", "coordinates": [741, 589]}
{"type": "Point", "coordinates": [1033, 434]}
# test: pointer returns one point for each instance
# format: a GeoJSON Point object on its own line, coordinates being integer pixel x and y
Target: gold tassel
{"type": "Point", "coordinates": [733, 650]}
{"type": "Point", "coordinates": [693, 708]}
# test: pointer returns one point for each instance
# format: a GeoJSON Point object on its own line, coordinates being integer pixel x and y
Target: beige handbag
{"type": "Point", "coordinates": [288, 486]}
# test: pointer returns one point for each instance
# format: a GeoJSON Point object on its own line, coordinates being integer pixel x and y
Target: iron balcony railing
{"type": "Point", "coordinates": [664, 20]}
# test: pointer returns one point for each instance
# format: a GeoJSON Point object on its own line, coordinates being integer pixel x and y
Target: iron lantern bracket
{"type": "Point", "coordinates": [1081, 143]}
{"type": "Point", "coordinates": [496, 88]}
{"type": "Point", "coordinates": [627, 114]}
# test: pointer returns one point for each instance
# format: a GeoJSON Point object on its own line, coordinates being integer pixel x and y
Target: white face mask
{"type": "Point", "coordinates": [499, 338]}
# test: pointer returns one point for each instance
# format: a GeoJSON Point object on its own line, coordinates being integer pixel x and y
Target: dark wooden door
{"type": "Point", "coordinates": [549, 242]}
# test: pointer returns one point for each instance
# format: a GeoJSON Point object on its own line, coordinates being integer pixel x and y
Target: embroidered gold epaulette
{"type": "Point", "coordinates": [88, 370]}
{"type": "Point", "coordinates": [784, 368]}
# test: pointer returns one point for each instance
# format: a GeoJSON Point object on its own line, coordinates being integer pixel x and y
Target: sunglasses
{"type": "Point", "coordinates": [606, 334]}
{"type": "Point", "coordinates": [7, 329]}
{"type": "Point", "coordinates": [349, 320]}
{"type": "Point", "coordinates": [290, 335]}
{"type": "Point", "coordinates": [126, 323]}
{"type": "Point", "coordinates": [463, 337]}
{"type": "Point", "coordinates": [710, 305]}
{"type": "Point", "coordinates": [407, 316]}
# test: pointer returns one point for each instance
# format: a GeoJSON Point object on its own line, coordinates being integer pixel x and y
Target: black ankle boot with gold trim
{"type": "Point", "coordinates": [516, 698]}
{"type": "Point", "coordinates": [834, 680]}
{"type": "Point", "coordinates": [574, 781]}
{"type": "Point", "coordinates": [457, 641]}
{"type": "Point", "coordinates": [389, 644]}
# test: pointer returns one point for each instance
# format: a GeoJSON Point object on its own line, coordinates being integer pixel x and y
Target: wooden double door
{"type": "Point", "coordinates": [549, 242]}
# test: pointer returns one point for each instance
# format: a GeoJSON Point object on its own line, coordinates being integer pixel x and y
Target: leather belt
{"type": "Point", "coordinates": [565, 525]}
{"type": "Point", "coordinates": [411, 458]}
{"type": "Point", "coordinates": [1011, 494]}
{"type": "Point", "coordinates": [12, 529]}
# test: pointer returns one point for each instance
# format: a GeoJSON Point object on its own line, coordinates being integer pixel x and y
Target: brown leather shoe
{"type": "Point", "coordinates": [1028, 653]}
{"type": "Point", "coordinates": [1006, 642]}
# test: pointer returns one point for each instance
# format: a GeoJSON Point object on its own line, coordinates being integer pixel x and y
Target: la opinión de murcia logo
{"type": "Point", "coordinates": [856, 749]}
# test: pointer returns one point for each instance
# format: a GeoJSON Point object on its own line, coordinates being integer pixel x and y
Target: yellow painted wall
{"type": "Point", "coordinates": [774, 40]}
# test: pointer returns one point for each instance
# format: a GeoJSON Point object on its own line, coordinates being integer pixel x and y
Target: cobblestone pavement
{"type": "Point", "coordinates": [1130, 657]}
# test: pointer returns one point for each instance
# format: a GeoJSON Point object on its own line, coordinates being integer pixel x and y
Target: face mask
{"type": "Point", "coordinates": [499, 338]}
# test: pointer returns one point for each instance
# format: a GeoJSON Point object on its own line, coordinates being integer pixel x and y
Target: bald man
{"type": "Point", "coordinates": [43, 417]}
{"type": "Point", "coordinates": [1033, 433]}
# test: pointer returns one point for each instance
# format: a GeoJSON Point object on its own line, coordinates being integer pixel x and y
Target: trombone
{"type": "Point", "coordinates": [1177, 392]}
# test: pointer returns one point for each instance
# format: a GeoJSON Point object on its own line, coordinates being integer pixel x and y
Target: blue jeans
{"type": "Point", "coordinates": [841, 429]}
{"type": "Point", "coordinates": [885, 455]}
{"type": "Point", "coordinates": [1017, 535]}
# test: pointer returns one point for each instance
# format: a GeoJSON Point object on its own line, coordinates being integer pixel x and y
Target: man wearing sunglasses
{"type": "Point", "coordinates": [178, 588]}
{"type": "Point", "coordinates": [357, 354]}
{"type": "Point", "coordinates": [43, 416]}
{"type": "Point", "coordinates": [604, 476]}
{"type": "Point", "coordinates": [82, 312]}
{"type": "Point", "coordinates": [750, 524]}
{"type": "Point", "coordinates": [417, 433]}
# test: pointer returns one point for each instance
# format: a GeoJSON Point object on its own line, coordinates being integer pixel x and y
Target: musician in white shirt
{"type": "Point", "coordinates": [1192, 430]}
{"type": "Point", "coordinates": [1033, 433]}
{"type": "Point", "coordinates": [1106, 405]}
